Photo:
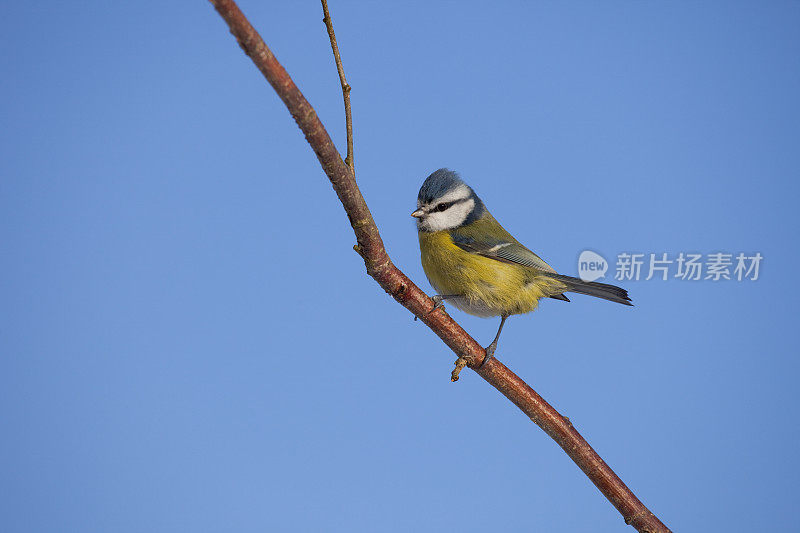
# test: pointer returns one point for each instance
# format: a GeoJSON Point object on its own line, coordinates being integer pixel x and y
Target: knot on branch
{"type": "Point", "coordinates": [641, 521]}
{"type": "Point", "coordinates": [376, 266]}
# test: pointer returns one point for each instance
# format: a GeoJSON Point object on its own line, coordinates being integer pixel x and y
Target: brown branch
{"type": "Point", "coordinates": [348, 118]}
{"type": "Point", "coordinates": [402, 289]}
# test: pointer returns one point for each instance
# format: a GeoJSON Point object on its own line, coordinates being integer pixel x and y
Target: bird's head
{"type": "Point", "coordinates": [446, 202]}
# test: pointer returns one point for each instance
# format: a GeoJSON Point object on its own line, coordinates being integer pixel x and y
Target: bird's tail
{"type": "Point", "coordinates": [592, 288]}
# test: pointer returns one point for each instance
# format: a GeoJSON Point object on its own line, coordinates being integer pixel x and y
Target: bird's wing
{"type": "Point", "coordinates": [500, 246]}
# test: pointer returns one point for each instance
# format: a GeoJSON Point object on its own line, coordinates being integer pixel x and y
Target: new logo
{"type": "Point", "coordinates": [591, 266]}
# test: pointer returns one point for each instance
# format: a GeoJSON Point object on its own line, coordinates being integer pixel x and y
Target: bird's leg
{"type": "Point", "coordinates": [438, 302]}
{"type": "Point", "coordinates": [493, 346]}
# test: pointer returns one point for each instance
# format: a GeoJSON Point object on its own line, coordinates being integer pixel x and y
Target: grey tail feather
{"type": "Point", "coordinates": [592, 288]}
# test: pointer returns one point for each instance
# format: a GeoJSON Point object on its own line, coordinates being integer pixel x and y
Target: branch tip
{"type": "Point", "coordinates": [460, 364]}
{"type": "Point", "coordinates": [348, 117]}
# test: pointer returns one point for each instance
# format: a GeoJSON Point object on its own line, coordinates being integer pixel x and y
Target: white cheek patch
{"type": "Point", "coordinates": [449, 219]}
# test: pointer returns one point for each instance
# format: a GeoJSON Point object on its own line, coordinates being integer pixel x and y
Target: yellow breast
{"type": "Point", "coordinates": [488, 287]}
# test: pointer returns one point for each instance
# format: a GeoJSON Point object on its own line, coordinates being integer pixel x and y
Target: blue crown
{"type": "Point", "coordinates": [437, 184]}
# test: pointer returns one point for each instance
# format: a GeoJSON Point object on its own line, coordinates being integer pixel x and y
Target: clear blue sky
{"type": "Point", "coordinates": [189, 343]}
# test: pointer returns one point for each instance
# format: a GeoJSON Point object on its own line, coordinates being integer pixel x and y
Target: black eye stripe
{"type": "Point", "coordinates": [444, 206]}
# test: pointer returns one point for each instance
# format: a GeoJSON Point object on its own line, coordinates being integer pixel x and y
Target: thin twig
{"type": "Point", "coordinates": [401, 288]}
{"type": "Point", "coordinates": [459, 366]}
{"type": "Point", "coordinates": [348, 118]}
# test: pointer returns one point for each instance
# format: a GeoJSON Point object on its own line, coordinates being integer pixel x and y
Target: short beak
{"type": "Point", "coordinates": [417, 214]}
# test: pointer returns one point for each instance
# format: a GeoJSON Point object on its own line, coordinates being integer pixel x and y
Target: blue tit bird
{"type": "Point", "coordinates": [475, 264]}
